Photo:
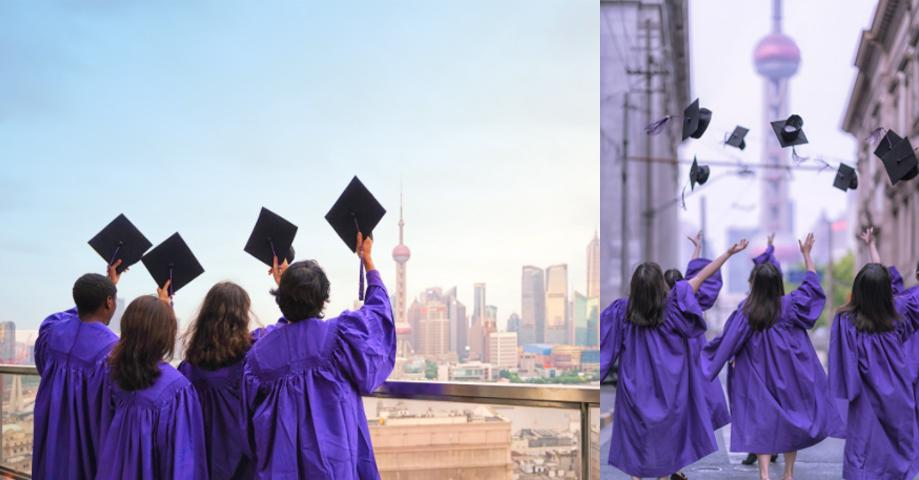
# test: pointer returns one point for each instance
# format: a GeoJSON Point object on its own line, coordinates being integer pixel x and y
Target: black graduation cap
{"type": "Point", "coordinates": [356, 210]}
{"type": "Point", "coordinates": [789, 131]}
{"type": "Point", "coordinates": [737, 137]}
{"type": "Point", "coordinates": [846, 179]}
{"type": "Point", "coordinates": [272, 236]}
{"type": "Point", "coordinates": [172, 260]}
{"type": "Point", "coordinates": [120, 239]}
{"type": "Point", "coordinates": [886, 144]}
{"type": "Point", "coordinates": [698, 174]}
{"type": "Point", "coordinates": [695, 120]}
{"type": "Point", "coordinates": [900, 161]}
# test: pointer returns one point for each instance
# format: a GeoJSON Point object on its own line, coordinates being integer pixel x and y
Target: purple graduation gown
{"type": "Point", "coordinates": [304, 384]}
{"type": "Point", "coordinates": [780, 401]}
{"type": "Point", "coordinates": [707, 295]}
{"type": "Point", "coordinates": [226, 425]}
{"type": "Point", "coordinates": [874, 373]}
{"type": "Point", "coordinates": [156, 433]}
{"type": "Point", "coordinates": [661, 422]}
{"type": "Point", "coordinates": [72, 406]}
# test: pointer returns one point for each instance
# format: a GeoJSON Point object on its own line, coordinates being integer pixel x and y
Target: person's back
{"type": "Point", "coordinates": [305, 381]}
{"type": "Point", "coordinates": [157, 428]}
{"type": "Point", "coordinates": [72, 406]}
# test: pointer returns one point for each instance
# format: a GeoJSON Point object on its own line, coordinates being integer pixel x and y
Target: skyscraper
{"type": "Point", "coordinates": [429, 314]}
{"type": "Point", "coordinates": [532, 306]}
{"type": "Point", "coordinates": [593, 267]}
{"type": "Point", "coordinates": [478, 333]}
{"type": "Point", "coordinates": [557, 327]}
{"type": "Point", "coordinates": [401, 254]}
{"type": "Point", "coordinates": [776, 58]}
{"type": "Point", "coordinates": [8, 342]}
{"type": "Point", "coordinates": [459, 323]}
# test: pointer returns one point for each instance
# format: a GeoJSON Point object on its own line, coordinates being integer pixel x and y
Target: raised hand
{"type": "Point", "coordinates": [277, 270]}
{"type": "Point", "coordinates": [113, 274]}
{"type": "Point", "coordinates": [867, 236]}
{"type": "Point", "coordinates": [807, 245]}
{"type": "Point", "coordinates": [738, 247]}
{"type": "Point", "coordinates": [163, 293]}
{"type": "Point", "coordinates": [364, 250]}
{"type": "Point", "coordinates": [770, 240]}
{"type": "Point", "coordinates": [697, 244]}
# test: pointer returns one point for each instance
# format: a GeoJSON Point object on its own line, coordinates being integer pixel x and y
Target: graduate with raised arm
{"type": "Point", "coordinates": [72, 406]}
{"type": "Point", "coordinates": [305, 380]}
{"type": "Point", "coordinates": [870, 367]}
{"type": "Point", "coordinates": [780, 401]}
{"type": "Point", "coordinates": [661, 422]}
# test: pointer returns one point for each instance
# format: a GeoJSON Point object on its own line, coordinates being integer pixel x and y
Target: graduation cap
{"type": "Point", "coordinates": [846, 179]}
{"type": "Point", "coordinates": [172, 260]}
{"type": "Point", "coordinates": [737, 137]}
{"type": "Point", "coordinates": [886, 144]}
{"type": "Point", "coordinates": [698, 174]}
{"type": "Point", "coordinates": [695, 120]}
{"type": "Point", "coordinates": [789, 131]}
{"type": "Point", "coordinates": [900, 160]}
{"type": "Point", "coordinates": [120, 240]}
{"type": "Point", "coordinates": [356, 210]}
{"type": "Point", "coordinates": [272, 236]}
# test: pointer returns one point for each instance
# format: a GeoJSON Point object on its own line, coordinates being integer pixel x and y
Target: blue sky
{"type": "Point", "coordinates": [190, 116]}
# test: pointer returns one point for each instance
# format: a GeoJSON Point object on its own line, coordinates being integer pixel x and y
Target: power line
{"type": "Point", "coordinates": [722, 163]}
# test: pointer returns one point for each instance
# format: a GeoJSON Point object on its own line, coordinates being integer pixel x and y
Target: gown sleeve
{"type": "Point", "coordinates": [843, 369]}
{"type": "Point", "coordinates": [768, 257]}
{"type": "Point", "coordinates": [683, 312]}
{"type": "Point", "coordinates": [896, 280]}
{"type": "Point", "coordinates": [723, 347]}
{"type": "Point", "coordinates": [907, 305]}
{"type": "Point", "coordinates": [180, 437]}
{"type": "Point", "coordinates": [366, 350]}
{"type": "Point", "coordinates": [807, 301]}
{"type": "Point", "coordinates": [44, 330]}
{"type": "Point", "coordinates": [611, 323]}
{"type": "Point", "coordinates": [710, 288]}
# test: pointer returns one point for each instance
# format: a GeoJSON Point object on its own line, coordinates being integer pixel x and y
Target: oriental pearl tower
{"type": "Point", "coordinates": [776, 58]}
{"type": "Point", "coordinates": [401, 254]}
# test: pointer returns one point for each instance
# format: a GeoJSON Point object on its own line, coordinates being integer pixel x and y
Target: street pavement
{"type": "Point", "coordinates": [820, 462]}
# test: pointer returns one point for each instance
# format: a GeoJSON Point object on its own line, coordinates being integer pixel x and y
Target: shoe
{"type": "Point", "coordinates": [774, 458]}
{"type": "Point", "coordinates": [679, 476]}
{"type": "Point", "coordinates": [750, 460]}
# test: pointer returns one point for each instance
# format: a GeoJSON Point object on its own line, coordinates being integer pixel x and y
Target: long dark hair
{"type": "Point", "coordinates": [148, 336]}
{"type": "Point", "coordinates": [764, 305]}
{"type": "Point", "coordinates": [871, 306]}
{"type": "Point", "coordinates": [647, 295]}
{"type": "Point", "coordinates": [219, 336]}
{"type": "Point", "coordinates": [672, 276]}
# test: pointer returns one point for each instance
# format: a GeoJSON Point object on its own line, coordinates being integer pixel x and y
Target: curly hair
{"type": "Point", "coordinates": [303, 291]}
{"type": "Point", "coordinates": [148, 336]}
{"type": "Point", "coordinates": [219, 335]}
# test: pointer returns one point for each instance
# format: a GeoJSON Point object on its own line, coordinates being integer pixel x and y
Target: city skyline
{"type": "Point", "coordinates": [258, 110]}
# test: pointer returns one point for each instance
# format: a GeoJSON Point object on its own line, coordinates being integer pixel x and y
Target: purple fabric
{"type": "Point", "coordinates": [661, 422]}
{"type": "Point", "coordinates": [873, 372]}
{"type": "Point", "coordinates": [156, 433]}
{"type": "Point", "coordinates": [707, 295]}
{"type": "Point", "coordinates": [72, 406]}
{"type": "Point", "coordinates": [768, 257]}
{"type": "Point", "coordinates": [304, 384]}
{"type": "Point", "coordinates": [780, 401]}
{"type": "Point", "coordinates": [226, 426]}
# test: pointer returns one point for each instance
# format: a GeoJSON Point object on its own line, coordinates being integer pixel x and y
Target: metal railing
{"type": "Point", "coordinates": [580, 398]}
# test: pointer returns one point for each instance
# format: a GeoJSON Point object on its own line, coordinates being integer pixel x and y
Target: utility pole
{"type": "Point", "coordinates": [704, 251]}
{"type": "Point", "coordinates": [829, 265]}
{"type": "Point", "coordinates": [624, 191]}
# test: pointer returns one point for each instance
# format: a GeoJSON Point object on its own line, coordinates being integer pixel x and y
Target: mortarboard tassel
{"type": "Point", "coordinates": [683, 197]}
{"type": "Point", "coordinates": [798, 159]}
{"type": "Point", "coordinates": [115, 255]}
{"type": "Point", "coordinates": [657, 127]}
{"type": "Point", "coordinates": [360, 281]}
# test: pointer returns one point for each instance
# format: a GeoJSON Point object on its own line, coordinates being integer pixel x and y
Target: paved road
{"type": "Point", "coordinates": [820, 462]}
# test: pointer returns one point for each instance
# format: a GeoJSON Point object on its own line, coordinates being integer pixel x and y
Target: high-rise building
{"type": "Point", "coordinates": [532, 306]}
{"type": "Point", "coordinates": [557, 327]}
{"type": "Point", "coordinates": [885, 94]}
{"type": "Point", "coordinates": [429, 313]}
{"type": "Point", "coordinates": [459, 323]}
{"type": "Point", "coordinates": [776, 58]}
{"type": "Point", "coordinates": [640, 37]}
{"type": "Point", "coordinates": [401, 255]}
{"type": "Point", "coordinates": [8, 342]}
{"type": "Point", "coordinates": [502, 350]}
{"type": "Point", "coordinates": [513, 323]}
{"type": "Point", "coordinates": [593, 266]}
{"type": "Point", "coordinates": [578, 311]}
{"type": "Point", "coordinates": [593, 321]}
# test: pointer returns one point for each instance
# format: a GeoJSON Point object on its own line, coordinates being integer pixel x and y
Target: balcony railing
{"type": "Point", "coordinates": [577, 398]}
